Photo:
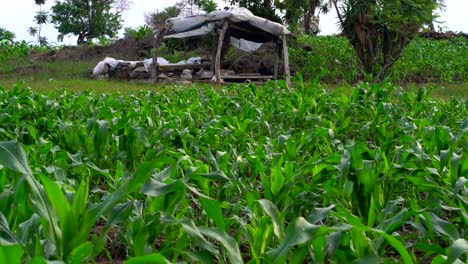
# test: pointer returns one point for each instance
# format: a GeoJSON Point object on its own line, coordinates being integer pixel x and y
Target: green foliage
{"type": "Point", "coordinates": [140, 33]}
{"type": "Point", "coordinates": [86, 19]}
{"type": "Point", "coordinates": [206, 5]}
{"type": "Point", "coordinates": [262, 8]}
{"type": "Point", "coordinates": [332, 59]}
{"type": "Point", "coordinates": [157, 19]}
{"type": "Point", "coordinates": [302, 11]}
{"type": "Point", "coordinates": [379, 31]}
{"type": "Point", "coordinates": [236, 174]}
{"type": "Point", "coordinates": [6, 34]}
{"type": "Point", "coordinates": [14, 50]}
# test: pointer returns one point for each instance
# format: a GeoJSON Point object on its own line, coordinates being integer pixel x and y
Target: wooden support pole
{"type": "Point", "coordinates": [218, 51]}
{"type": "Point", "coordinates": [214, 48]}
{"type": "Point", "coordinates": [287, 72]}
{"type": "Point", "coordinates": [277, 55]}
{"type": "Point", "coordinates": [156, 45]}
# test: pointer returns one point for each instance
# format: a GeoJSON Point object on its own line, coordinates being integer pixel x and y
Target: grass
{"type": "Point", "coordinates": [442, 91]}
{"type": "Point", "coordinates": [75, 85]}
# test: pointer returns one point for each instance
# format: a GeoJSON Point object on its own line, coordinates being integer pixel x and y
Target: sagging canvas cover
{"type": "Point", "coordinates": [197, 25]}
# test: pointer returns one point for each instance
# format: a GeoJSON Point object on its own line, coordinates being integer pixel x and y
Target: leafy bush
{"type": "Point", "coordinates": [140, 33]}
{"type": "Point", "coordinates": [14, 49]}
{"type": "Point", "coordinates": [332, 59]}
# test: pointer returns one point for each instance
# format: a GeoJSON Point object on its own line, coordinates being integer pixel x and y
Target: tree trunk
{"type": "Point", "coordinates": [309, 14]}
{"type": "Point", "coordinates": [81, 39]}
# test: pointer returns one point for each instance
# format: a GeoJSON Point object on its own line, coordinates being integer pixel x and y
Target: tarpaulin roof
{"type": "Point", "coordinates": [182, 27]}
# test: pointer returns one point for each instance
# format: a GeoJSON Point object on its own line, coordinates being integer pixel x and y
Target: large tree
{"type": "Point", "coordinates": [88, 19]}
{"type": "Point", "coordinates": [263, 8]}
{"type": "Point", "coordinates": [304, 11]}
{"type": "Point", "coordinates": [379, 30]}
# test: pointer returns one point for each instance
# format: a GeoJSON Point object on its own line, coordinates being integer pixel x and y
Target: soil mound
{"type": "Point", "coordinates": [443, 35]}
{"type": "Point", "coordinates": [126, 49]}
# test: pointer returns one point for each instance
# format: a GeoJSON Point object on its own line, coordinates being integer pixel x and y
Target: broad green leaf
{"type": "Point", "coordinates": [215, 176]}
{"type": "Point", "coordinates": [271, 210]}
{"type": "Point", "coordinates": [213, 210]}
{"type": "Point", "coordinates": [156, 188]}
{"type": "Point", "coordinates": [397, 245]}
{"type": "Point", "coordinates": [298, 232]}
{"type": "Point", "coordinates": [81, 253]}
{"type": "Point", "coordinates": [11, 254]}
{"type": "Point", "coordinates": [6, 236]}
{"type": "Point", "coordinates": [139, 177]}
{"type": "Point", "coordinates": [318, 214]}
{"type": "Point", "coordinates": [28, 228]}
{"type": "Point", "coordinates": [12, 156]}
{"type": "Point", "coordinates": [192, 231]}
{"type": "Point", "coordinates": [154, 258]}
{"type": "Point", "coordinates": [458, 248]}
{"type": "Point", "coordinates": [277, 179]}
{"type": "Point", "coordinates": [443, 227]}
{"type": "Point", "coordinates": [229, 243]}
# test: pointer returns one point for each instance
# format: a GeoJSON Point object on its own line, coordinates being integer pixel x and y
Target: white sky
{"type": "Point", "coordinates": [17, 16]}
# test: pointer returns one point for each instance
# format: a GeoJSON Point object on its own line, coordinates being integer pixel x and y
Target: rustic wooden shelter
{"type": "Point", "coordinates": [237, 26]}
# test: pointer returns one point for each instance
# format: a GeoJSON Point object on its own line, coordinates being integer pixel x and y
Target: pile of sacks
{"type": "Point", "coordinates": [110, 68]}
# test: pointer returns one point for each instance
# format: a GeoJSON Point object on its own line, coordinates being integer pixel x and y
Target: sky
{"type": "Point", "coordinates": [17, 16]}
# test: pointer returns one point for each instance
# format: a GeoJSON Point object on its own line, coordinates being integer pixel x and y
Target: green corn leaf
{"type": "Point", "coordinates": [66, 218]}
{"type": "Point", "coordinates": [81, 253]}
{"type": "Point", "coordinates": [397, 245]}
{"type": "Point", "coordinates": [28, 228]}
{"type": "Point", "coordinates": [156, 188]}
{"type": "Point", "coordinates": [229, 243]}
{"type": "Point", "coordinates": [6, 236]}
{"type": "Point", "coordinates": [80, 200]}
{"type": "Point", "coordinates": [318, 214]}
{"type": "Point", "coordinates": [12, 156]}
{"type": "Point", "coordinates": [139, 177]}
{"type": "Point", "coordinates": [154, 258]}
{"type": "Point", "coordinates": [277, 179]}
{"type": "Point", "coordinates": [459, 247]}
{"type": "Point", "coordinates": [271, 210]}
{"type": "Point", "coordinates": [443, 227]}
{"type": "Point", "coordinates": [11, 254]}
{"type": "Point", "coordinates": [215, 176]}
{"type": "Point", "coordinates": [120, 213]}
{"type": "Point", "coordinates": [213, 210]}
{"type": "Point", "coordinates": [192, 231]}
{"type": "Point", "coordinates": [298, 232]}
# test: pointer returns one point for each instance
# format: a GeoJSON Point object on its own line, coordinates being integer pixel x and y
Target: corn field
{"type": "Point", "coordinates": [235, 174]}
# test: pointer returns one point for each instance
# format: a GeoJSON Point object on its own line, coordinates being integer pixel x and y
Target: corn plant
{"type": "Point", "coordinates": [234, 174]}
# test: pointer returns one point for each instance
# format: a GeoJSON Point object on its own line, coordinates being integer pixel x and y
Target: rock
{"type": "Point", "coordinates": [162, 76]}
{"type": "Point", "coordinates": [227, 72]}
{"type": "Point", "coordinates": [186, 75]}
{"type": "Point", "coordinates": [140, 69]}
{"type": "Point", "coordinates": [204, 74]}
{"type": "Point", "coordinates": [140, 73]}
